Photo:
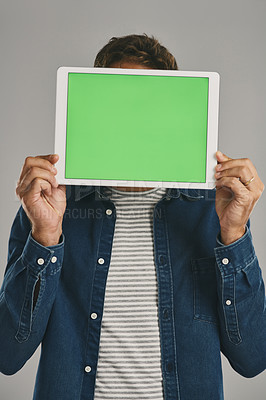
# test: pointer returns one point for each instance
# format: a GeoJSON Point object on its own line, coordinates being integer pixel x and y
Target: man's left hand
{"type": "Point", "coordinates": [238, 188]}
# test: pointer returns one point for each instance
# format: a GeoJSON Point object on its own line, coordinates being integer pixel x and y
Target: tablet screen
{"type": "Point", "coordinates": [136, 127]}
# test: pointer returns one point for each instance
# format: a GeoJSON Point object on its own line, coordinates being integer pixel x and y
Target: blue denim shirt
{"type": "Point", "coordinates": [211, 298]}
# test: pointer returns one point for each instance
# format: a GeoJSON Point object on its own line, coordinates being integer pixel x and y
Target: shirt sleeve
{"type": "Point", "coordinates": [23, 322]}
{"type": "Point", "coordinates": [241, 306]}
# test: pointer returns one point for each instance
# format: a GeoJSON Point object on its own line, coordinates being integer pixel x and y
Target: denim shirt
{"type": "Point", "coordinates": [211, 298]}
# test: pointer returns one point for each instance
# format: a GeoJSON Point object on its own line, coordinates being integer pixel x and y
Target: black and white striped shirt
{"type": "Point", "coordinates": [129, 365]}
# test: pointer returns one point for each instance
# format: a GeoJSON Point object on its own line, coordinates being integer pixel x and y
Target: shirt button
{"type": "Point", "coordinates": [108, 211]}
{"type": "Point", "coordinates": [40, 261]}
{"type": "Point", "coordinates": [54, 259]}
{"type": "Point", "coordinates": [101, 261]}
{"type": "Point", "coordinates": [94, 315]}
{"type": "Point", "coordinates": [87, 368]}
{"type": "Point", "coordinates": [225, 261]}
{"type": "Point", "coordinates": [228, 302]}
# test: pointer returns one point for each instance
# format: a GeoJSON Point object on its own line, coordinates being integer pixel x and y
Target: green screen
{"type": "Point", "coordinates": [136, 127]}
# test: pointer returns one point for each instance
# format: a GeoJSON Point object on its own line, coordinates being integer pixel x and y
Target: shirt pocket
{"type": "Point", "coordinates": [205, 289]}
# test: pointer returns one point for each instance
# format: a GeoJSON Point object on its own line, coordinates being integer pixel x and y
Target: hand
{"type": "Point", "coordinates": [43, 200]}
{"type": "Point", "coordinates": [235, 200]}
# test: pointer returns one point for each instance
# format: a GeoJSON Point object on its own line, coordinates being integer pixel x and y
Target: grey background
{"type": "Point", "coordinates": [38, 36]}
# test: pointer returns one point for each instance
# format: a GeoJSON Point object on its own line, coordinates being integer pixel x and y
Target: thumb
{"type": "Point", "coordinates": [221, 157]}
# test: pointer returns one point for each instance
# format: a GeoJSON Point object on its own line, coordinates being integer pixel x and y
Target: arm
{"type": "Point", "coordinates": [22, 325]}
{"type": "Point", "coordinates": [34, 263]}
{"type": "Point", "coordinates": [241, 293]}
{"type": "Point", "coordinates": [241, 306]}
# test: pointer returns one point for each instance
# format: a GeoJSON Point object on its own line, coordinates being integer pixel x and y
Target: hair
{"type": "Point", "coordinates": [140, 49]}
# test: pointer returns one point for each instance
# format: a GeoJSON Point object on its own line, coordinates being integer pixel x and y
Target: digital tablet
{"type": "Point", "coordinates": [136, 127]}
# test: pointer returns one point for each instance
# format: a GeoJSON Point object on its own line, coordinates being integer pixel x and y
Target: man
{"type": "Point", "coordinates": [133, 292]}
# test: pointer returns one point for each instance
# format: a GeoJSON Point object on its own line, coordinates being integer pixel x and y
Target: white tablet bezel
{"type": "Point", "coordinates": [61, 118]}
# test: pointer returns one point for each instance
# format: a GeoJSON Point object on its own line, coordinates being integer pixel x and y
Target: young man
{"type": "Point", "coordinates": [133, 292]}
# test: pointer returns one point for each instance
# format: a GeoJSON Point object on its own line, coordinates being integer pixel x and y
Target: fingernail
{"type": "Point", "coordinates": [219, 166]}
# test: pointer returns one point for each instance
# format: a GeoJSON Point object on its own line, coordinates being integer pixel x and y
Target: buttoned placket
{"type": "Point", "coordinates": [97, 299]}
{"type": "Point", "coordinates": [165, 303]}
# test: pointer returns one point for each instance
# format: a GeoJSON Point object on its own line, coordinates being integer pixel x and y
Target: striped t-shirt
{"type": "Point", "coordinates": [129, 365]}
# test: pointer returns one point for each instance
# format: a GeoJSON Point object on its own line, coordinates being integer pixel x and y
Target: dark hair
{"type": "Point", "coordinates": [142, 49]}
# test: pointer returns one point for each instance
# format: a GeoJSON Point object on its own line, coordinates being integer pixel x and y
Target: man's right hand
{"type": "Point", "coordinates": [43, 200]}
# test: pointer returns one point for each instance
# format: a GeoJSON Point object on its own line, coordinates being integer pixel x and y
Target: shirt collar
{"type": "Point", "coordinates": [82, 191]}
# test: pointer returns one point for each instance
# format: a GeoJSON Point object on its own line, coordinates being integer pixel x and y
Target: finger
{"type": "Point", "coordinates": [52, 158]}
{"type": "Point", "coordinates": [38, 186]}
{"type": "Point", "coordinates": [234, 163]}
{"type": "Point", "coordinates": [242, 173]}
{"type": "Point", "coordinates": [235, 186]}
{"type": "Point", "coordinates": [33, 173]}
{"type": "Point", "coordinates": [45, 162]}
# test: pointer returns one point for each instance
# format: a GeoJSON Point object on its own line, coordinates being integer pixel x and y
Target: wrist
{"type": "Point", "coordinates": [46, 238]}
{"type": "Point", "coordinates": [228, 236]}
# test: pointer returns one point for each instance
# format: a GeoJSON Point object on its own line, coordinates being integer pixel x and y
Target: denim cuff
{"type": "Point", "coordinates": [235, 256]}
{"type": "Point", "coordinates": [38, 258]}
